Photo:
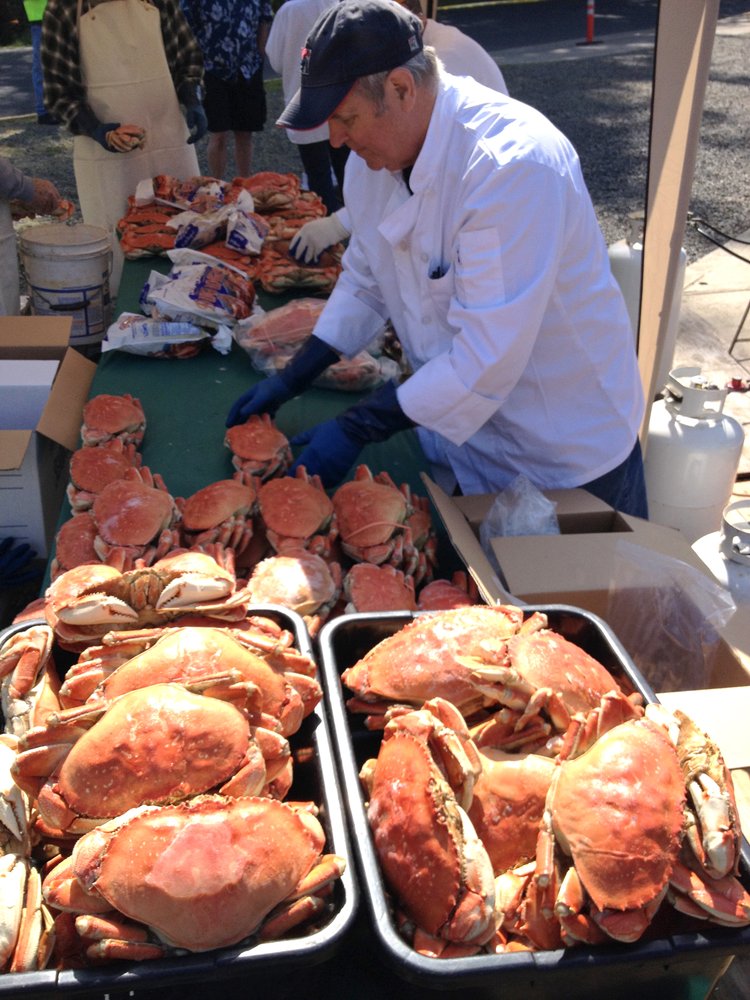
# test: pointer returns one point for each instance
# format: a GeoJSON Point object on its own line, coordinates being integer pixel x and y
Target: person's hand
{"type": "Point", "coordinates": [46, 199]}
{"type": "Point", "coordinates": [315, 237]}
{"type": "Point", "coordinates": [329, 452]}
{"type": "Point", "coordinates": [17, 564]}
{"type": "Point", "coordinates": [102, 132]}
{"type": "Point", "coordinates": [265, 397]}
{"type": "Point", "coordinates": [197, 123]}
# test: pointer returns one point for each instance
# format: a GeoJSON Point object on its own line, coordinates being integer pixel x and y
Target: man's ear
{"type": "Point", "coordinates": [403, 85]}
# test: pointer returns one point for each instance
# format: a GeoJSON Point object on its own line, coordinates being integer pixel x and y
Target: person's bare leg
{"type": "Point", "coordinates": [216, 154]}
{"type": "Point", "coordinates": [243, 153]}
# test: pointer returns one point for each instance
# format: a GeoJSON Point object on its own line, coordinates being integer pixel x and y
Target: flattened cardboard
{"type": "Point", "coordinates": [34, 337]}
{"type": "Point", "coordinates": [720, 712]}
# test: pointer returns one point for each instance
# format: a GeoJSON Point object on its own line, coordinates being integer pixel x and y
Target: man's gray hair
{"type": "Point", "coordinates": [424, 68]}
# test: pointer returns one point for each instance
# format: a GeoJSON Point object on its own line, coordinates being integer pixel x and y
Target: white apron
{"type": "Point", "coordinates": [10, 302]}
{"type": "Point", "coordinates": [127, 80]}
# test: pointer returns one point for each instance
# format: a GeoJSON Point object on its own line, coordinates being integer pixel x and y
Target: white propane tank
{"type": "Point", "coordinates": [693, 452]}
{"type": "Point", "coordinates": [626, 263]}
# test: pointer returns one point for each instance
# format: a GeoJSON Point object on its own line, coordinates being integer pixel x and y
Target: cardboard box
{"type": "Point", "coordinates": [24, 388]}
{"type": "Point", "coordinates": [34, 338]}
{"type": "Point", "coordinates": [577, 566]}
{"type": "Point", "coordinates": [34, 461]}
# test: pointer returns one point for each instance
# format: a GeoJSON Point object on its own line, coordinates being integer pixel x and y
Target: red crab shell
{"type": "Point", "coordinates": [258, 447]}
{"type": "Point", "coordinates": [135, 519]}
{"type": "Point", "coordinates": [422, 660]}
{"type": "Point", "coordinates": [297, 512]}
{"type": "Point", "coordinates": [220, 512]}
{"type": "Point", "coordinates": [371, 512]}
{"type": "Point", "coordinates": [418, 789]}
{"type": "Point", "coordinates": [458, 592]}
{"type": "Point", "coordinates": [378, 588]}
{"type": "Point", "coordinates": [107, 416]}
{"type": "Point", "coordinates": [299, 580]}
{"type": "Point", "coordinates": [156, 744]}
{"type": "Point", "coordinates": [508, 804]}
{"type": "Point", "coordinates": [93, 468]}
{"type": "Point", "coordinates": [617, 813]}
{"type": "Point", "coordinates": [74, 544]}
{"type": "Point", "coordinates": [286, 686]}
{"type": "Point", "coordinates": [201, 875]}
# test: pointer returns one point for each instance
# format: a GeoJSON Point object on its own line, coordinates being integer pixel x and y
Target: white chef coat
{"type": "Point", "coordinates": [291, 25]}
{"type": "Point", "coordinates": [495, 275]}
{"type": "Point", "coordinates": [462, 56]}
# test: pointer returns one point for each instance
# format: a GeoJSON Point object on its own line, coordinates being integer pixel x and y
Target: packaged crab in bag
{"type": "Point", "coordinates": [157, 338]}
{"type": "Point", "coordinates": [203, 293]}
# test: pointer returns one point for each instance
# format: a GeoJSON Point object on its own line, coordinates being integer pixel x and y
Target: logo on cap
{"type": "Point", "coordinates": [305, 60]}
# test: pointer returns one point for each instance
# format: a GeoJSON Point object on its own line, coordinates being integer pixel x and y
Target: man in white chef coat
{"type": "Point", "coordinates": [461, 56]}
{"type": "Point", "coordinates": [473, 231]}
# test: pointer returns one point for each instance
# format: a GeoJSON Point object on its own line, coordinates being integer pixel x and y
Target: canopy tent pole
{"type": "Point", "coordinates": [682, 56]}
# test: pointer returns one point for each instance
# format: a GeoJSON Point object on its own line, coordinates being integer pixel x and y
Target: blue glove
{"type": "Point", "coordinates": [197, 122]}
{"type": "Point", "coordinates": [267, 396]}
{"type": "Point", "coordinates": [332, 447]}
{"type": "Point", "coordinates": [16, 563]}
{"type": "Point", "coordinates": [100, 134]}
{"type": "Point", "coordinates": [329, 452]}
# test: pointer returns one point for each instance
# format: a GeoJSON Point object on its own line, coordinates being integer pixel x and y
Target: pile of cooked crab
{"type": "Point", "coordinates": [524, 798]}
{"type": "Point", "coordinates": [370, 545]}
{"type": "Point", "coordinates": [147, 805]}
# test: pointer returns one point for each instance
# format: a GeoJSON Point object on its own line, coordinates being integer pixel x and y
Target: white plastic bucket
{"type": "Point", "coordinates": [67, 269]}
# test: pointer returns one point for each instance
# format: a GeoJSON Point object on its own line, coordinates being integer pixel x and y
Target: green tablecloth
{"type": "Point", "coordinates": [186, 402]}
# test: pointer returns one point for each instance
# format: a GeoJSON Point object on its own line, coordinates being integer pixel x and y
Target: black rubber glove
{"type": "Point", "coordinates": [189, 96]}
{"type": "Point", "coordinates": [268, 395]}
{"type": "Point", "coordinates": [332, 447]}
{"type": "Point", "coordinates": [86, 123]}
{"type": "Point", "coordinates": [197, 122]}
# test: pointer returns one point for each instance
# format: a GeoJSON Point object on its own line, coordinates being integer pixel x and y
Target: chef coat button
{"type": "Point", "coordinates": [423, 257]}
{"type": "Point", "coordinates": [403, 245]}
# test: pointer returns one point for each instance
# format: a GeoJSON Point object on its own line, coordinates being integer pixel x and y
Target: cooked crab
{"type": "Point", "coordinates": [74, 544]}
{"type": "Point", "coordinates": [85, 603]}
{"type": "Point", "coordinates": [26, 937]}
{"type": "Point", "coordinates": [91, 469]}
{"type": "Point", "coordinates": [258, 447]}
{"type": "Point", "coordinates": [283, 679]}
{"type": "Point", "coordinates": [615, 821]}
{"type": "Point", "coordinates": [458, 592]}
{"type": "Point", "coordinates": [154, 745]}
{"type": "Point", "coordinates": [371, 513]}
{"type": "Point", "coordinates": [200, 875]}
{"type": "Point", "coordinates": [418, 791]}
{"type": "Point", "coordinates": [378, 588]}
{"type": "Point", "coordinates": [30, 682]}
{"type": "Point", "coordinates": [108, 416]}
{"type": "Point", "coordinates": [297, 513]}
{"type": "Point", "coordinates": [298, 580]}
{"type": "Point", "coordinates": [221, 512]}
{"type": "Point", "coordinates": [135, 521]}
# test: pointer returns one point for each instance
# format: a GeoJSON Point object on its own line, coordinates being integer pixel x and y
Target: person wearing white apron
{"type": "Point", "coordinates": [118, 83]}
{"type": "Point", "coordinates": [37, 195]}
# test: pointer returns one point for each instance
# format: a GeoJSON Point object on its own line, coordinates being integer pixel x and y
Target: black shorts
{"type": "Point", "coordinates": [237, 105]}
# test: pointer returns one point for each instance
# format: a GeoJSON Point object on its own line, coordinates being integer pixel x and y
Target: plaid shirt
{"type": "Point", "coordinates": [64, 93]}
{"type": "Point", "coordinates": [232, 34]}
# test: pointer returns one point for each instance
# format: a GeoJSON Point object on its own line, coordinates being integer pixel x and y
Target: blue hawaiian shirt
{"type": "Point", "coordinates": [227, 32]}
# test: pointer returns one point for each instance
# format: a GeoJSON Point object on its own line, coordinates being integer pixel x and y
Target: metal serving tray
{"type": "Point", "coordinates": [681, 965]}
{"type": "Point", "coordinates": [315, 779]}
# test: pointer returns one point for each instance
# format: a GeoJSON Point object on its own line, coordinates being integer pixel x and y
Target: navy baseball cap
{"type": "Point", "coordinates": [351, 39]}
